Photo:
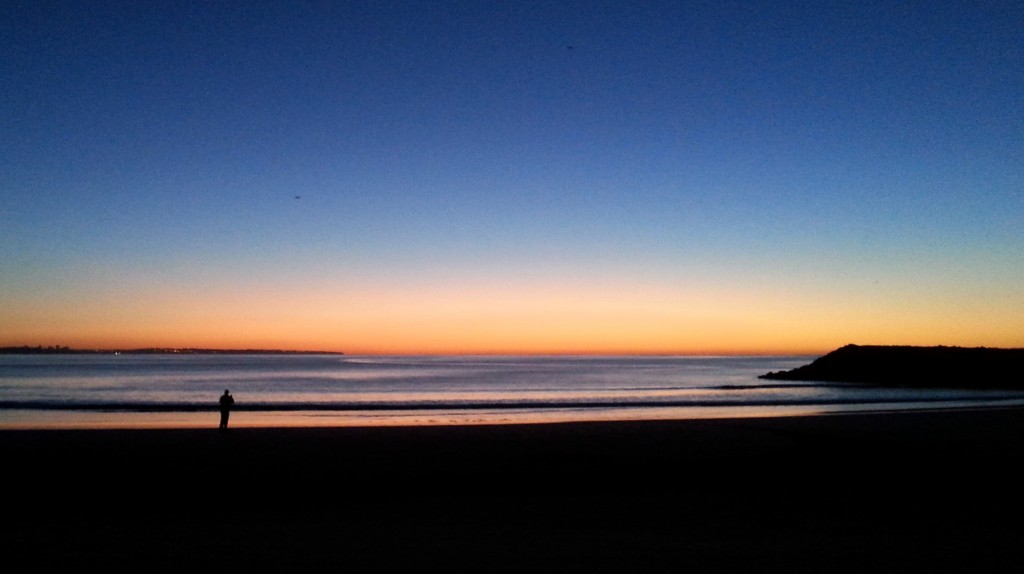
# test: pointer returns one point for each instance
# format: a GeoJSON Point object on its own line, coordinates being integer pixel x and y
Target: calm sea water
{"type": "Point", "coordinates": [135, 391]}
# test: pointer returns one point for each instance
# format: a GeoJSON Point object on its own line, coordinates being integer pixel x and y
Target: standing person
{"type": "Point", "coordinates": [226, 402]}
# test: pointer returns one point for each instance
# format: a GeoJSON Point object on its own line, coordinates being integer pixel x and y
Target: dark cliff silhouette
{"type": "Point", "coordinates": [907, 366]}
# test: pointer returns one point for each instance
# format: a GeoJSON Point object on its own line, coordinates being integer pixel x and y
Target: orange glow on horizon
{"type": "Point", "coordinates": [582, 319]}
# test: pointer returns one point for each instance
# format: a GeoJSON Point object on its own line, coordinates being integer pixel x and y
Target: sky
{"type": "Point", "coordinates": [512, 177]}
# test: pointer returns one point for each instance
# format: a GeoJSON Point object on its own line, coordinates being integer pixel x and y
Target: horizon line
{"type": "Point", "coordinates": [58, 349]}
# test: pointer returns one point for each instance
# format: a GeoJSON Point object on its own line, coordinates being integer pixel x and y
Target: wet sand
{"type": "Point", "coordinates": [892, 492]}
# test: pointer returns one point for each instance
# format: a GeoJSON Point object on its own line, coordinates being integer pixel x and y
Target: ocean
{"type": "Point", "coordinates": [181, 391]}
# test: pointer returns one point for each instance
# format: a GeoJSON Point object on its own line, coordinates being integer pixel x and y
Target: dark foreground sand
{"type": "Point", "coordinates": [910, 492]}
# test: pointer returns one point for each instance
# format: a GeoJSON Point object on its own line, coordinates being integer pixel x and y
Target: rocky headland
{"type": "Point", "coordinates": [908, 366]}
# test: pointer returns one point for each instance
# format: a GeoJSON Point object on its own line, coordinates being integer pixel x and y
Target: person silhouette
{"type": "Point", "coordinates": [226, 402]}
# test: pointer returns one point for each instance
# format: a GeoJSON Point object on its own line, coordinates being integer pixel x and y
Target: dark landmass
{"type": "Point", "coordinates": [59, 350]}
{"type": "Point", "coordinates": [907, 366]}
{"type": "Point", "coordinates": [895, 492]}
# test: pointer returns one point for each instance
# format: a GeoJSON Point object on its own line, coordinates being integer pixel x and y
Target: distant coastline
{"type": "Point", "coordinates": [60, 350]}
{"type": "Point", "coordinates": [908, 366]}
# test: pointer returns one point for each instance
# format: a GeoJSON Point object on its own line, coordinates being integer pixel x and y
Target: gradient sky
{"type": "Point", "coordinates": [512, 177]}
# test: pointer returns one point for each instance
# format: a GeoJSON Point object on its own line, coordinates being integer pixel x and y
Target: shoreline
{"type": "Point", "coordinates": [913, 423]}
{"type": "Point", "coordinates": [121, 417]}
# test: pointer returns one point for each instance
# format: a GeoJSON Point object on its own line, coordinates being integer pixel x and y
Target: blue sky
{"type": "Point", "coordinates": [858, 162]}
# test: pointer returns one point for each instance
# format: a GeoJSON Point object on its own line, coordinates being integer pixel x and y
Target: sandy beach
{"type": "Point", "coordinates": [894, 492]}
